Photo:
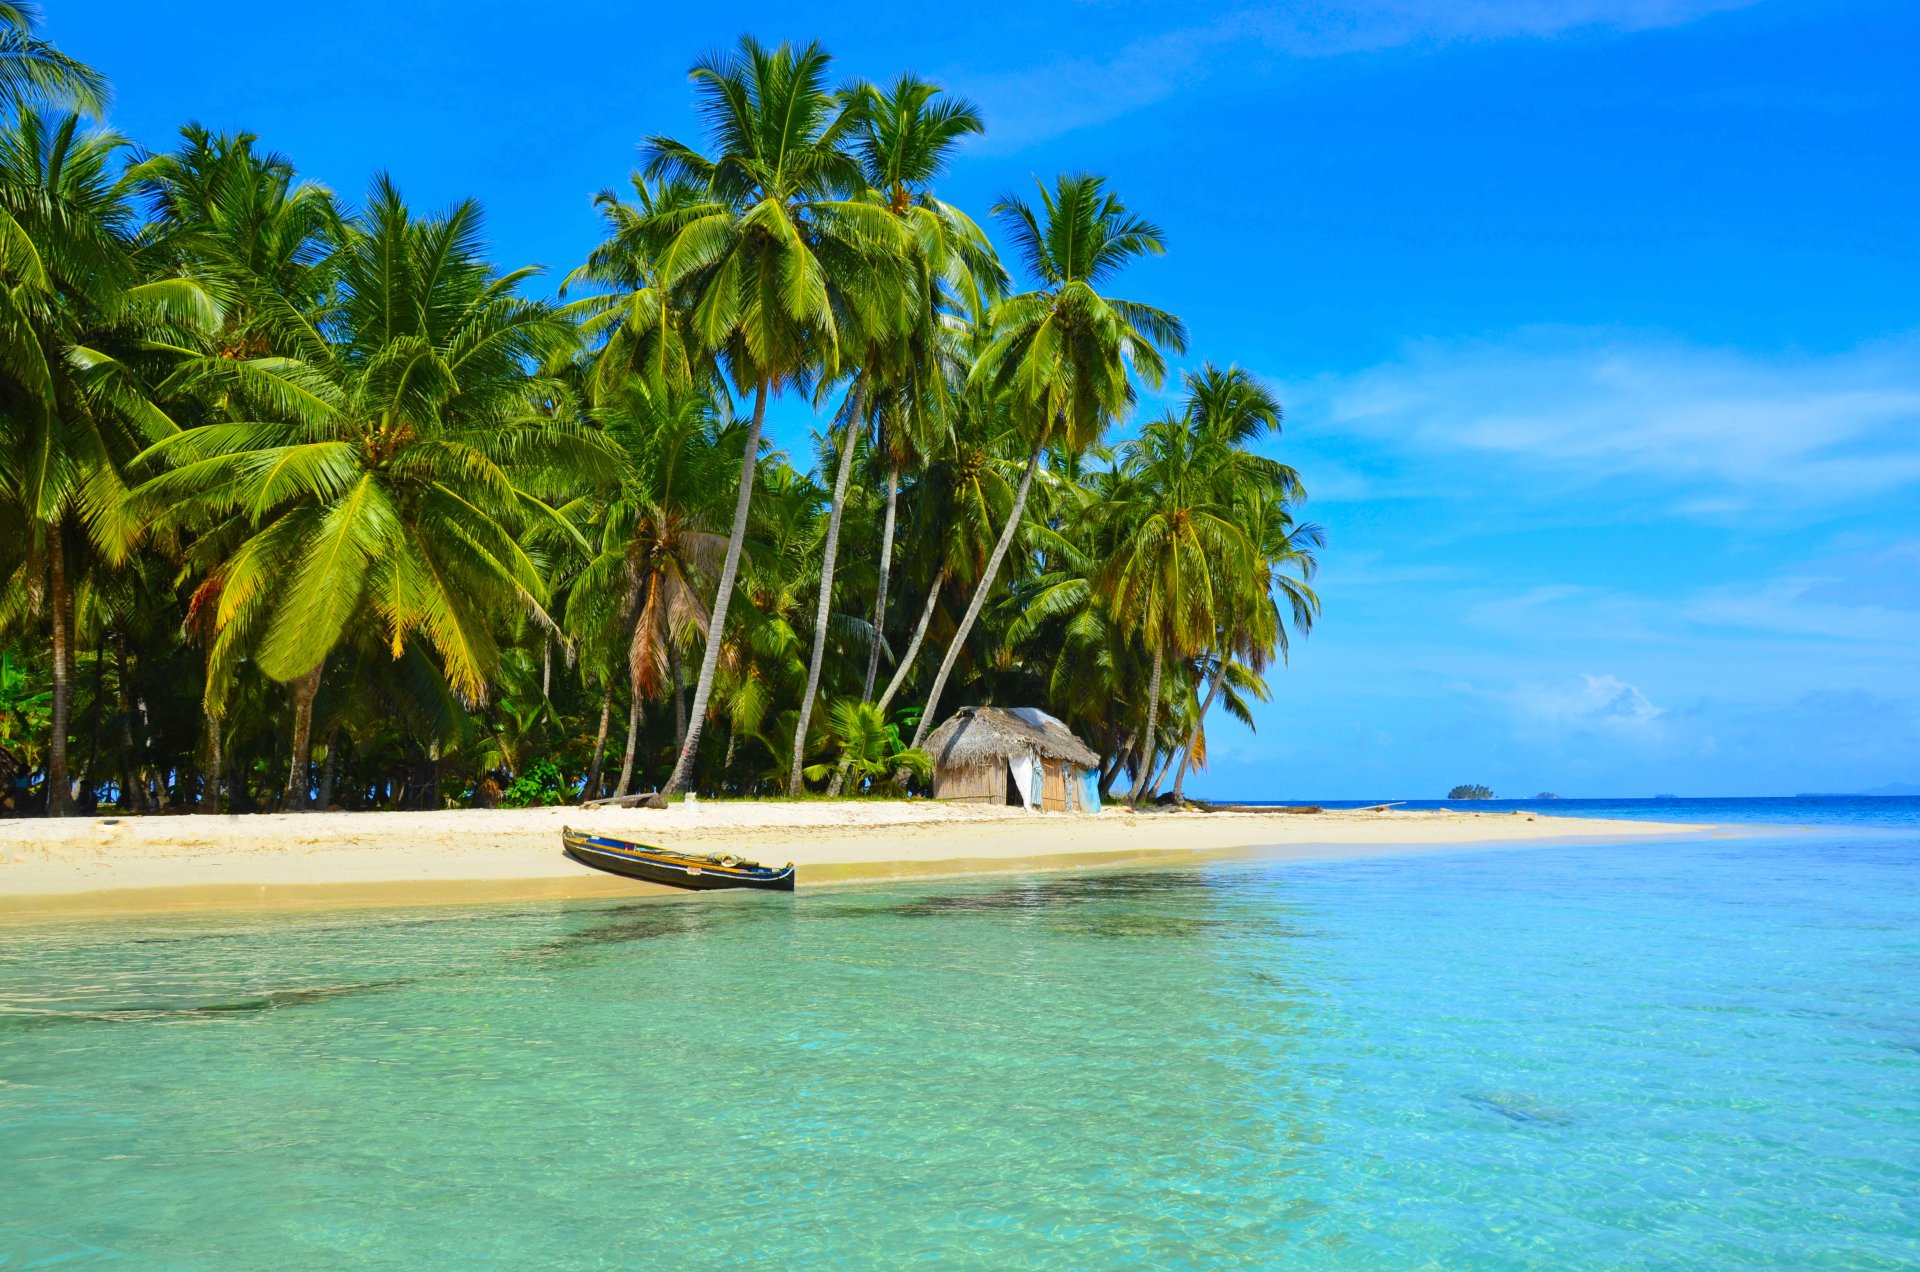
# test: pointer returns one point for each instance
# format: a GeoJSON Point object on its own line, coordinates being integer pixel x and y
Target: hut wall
{"type": "Point", "coordinates": [978, 784]}
{"type": "Point", "coordinates": [1053, 785]}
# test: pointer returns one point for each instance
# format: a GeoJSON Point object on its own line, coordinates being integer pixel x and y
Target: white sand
{"type": "Point", "coordinates": [107, 865]}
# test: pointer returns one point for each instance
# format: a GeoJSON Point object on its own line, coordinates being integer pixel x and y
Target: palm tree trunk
{"type": "Point", "coordinates": [329, 770]}
{"type": "Point", "coordinates": [590, 789]}
{"type": "Point", "coordinates": [901, 672]}
{"type": "Point", "coordinates": [1146, 739]}
{"type": "Point", "coordinates": [677, 686]}
{"type": "Point", "coordinates": [722, 597]}
{"type": "Point", "coordinates": [1110, 773]}
{"type": "Point", "coordinates": [546, 668]}
{"type": "Point", "coordinates": [300, 771]}
{"type": "Point", "coordinates": [880, 592]}
{"type": "Point", "coordinates": [1160, 774]}
{"type": "Point", "coordinates": [979, 598]}
{"type": "Point", "coordinates": [59, 783]}
{"type": "Point", "coordinates": [87, 780]}
{"type": "Point", "coordinates": [633, 735]}
{"type": "Point", "coordinates": [794, 783]}
{"type": "Point", "coordinates": [132, 793]}
{"type": "Point", "coordinates": [210, 790]}
{"type": "Point", "coordinates": [1193, 739]}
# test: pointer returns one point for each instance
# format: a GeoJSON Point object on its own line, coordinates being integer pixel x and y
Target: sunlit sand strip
{"type": "Point", "coordinates": [117, 866]}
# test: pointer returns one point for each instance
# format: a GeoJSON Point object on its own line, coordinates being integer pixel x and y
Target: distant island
{"type": "Point", "coordinates": [1546, 795]}
{"type": "Point", "coordinates": [1475, 791]}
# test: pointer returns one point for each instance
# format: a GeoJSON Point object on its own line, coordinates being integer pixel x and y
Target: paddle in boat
{"type": "Point", "coordinates": [675, 869]}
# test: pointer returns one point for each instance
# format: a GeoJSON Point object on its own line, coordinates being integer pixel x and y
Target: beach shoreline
{"type": "Point", "coordinates": [106, 866]}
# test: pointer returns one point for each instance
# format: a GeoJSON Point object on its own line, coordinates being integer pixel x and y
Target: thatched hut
{"type": "Point", "coordinates": [1020, 756]}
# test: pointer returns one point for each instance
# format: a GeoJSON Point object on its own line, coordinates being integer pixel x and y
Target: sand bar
{"type": "Point", "coordinates": [119, 865]}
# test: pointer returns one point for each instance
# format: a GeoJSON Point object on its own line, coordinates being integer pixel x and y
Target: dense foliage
{"type": "Point", "coordinates": [308, 502]}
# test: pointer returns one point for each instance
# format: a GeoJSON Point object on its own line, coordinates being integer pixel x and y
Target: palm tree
{"type": "Point", "coordinates": [34, 75]}
{"type": "Point", "coordinates": [1251, 625]}
{"type": "Point", "coordinates": [641, 592]}
{"type": "Point", "coordinates": [78, 332]}
{"type": "Point", "coordinates": [869, 748]}
{"type": "Point", "coordinates": [633, 316]}
{"type": "Point", "coordinates": [912, 130]}
{"type": "Point", "coordinates": [1229, 409]}
{"type": "Point", "coordinates": [777, 262]}
{"type": "Point", "coordinates": [263, 241]}
{"type": "Point", "coordinates": [1178, 537]}
{"type": "Point", "coordinates": [907, 134]}
{"type": "Point", "coordinates": [385, 497]}
{"type": "Point", "coordinates": [1062, 352]}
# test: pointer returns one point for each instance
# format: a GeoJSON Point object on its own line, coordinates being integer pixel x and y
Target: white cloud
{"type": "Point", "coordinates": [1719, 431]}
{"type": "Point", "coordinates": [1047, 100]}
{"type": "Point", "coordinates": [1593, 702]}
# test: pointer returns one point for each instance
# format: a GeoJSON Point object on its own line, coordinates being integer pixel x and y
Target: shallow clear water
{"type": "Point", "coordinates": [1827, 811]}
{"type": "Point", "coordinates": [1703, 1053]}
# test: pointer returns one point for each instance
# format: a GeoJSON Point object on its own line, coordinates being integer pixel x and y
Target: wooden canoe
{"type": "Point", "coordinates": [675, 869]}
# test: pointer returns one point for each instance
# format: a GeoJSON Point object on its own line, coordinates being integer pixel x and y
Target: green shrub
{"type": "Point", "coordinates": [540, 785]}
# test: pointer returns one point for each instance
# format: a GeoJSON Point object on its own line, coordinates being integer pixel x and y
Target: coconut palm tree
{"type": "Point", "coordinates": [1179, 536]}
{"type": "Point", "coordinates": [905, 140]}
{"type": "Point", "coordinates": [34, 75]}
{"type": "Point", "coordinates": [1062, 352]}
{"type": "Point", "coordinates": [386, 499]}
{"type": "Point", "coordinates": [261, 240]}
{"type": "Point", "coordinates": [912, 130]}
{"type": "Point", "coordinates": [80, 324]}
{"type": "Point", "coordinates": [636, 323]}
{"type": "Point", "coordinates": [642, 591]}
{"type": "Point", "coordinates": [1251, 625]}
{"type": "Point", "coordinates": [778, 261]}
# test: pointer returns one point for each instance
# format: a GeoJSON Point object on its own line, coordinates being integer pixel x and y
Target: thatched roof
{"type": "Point", "coordinates": [993, 735]}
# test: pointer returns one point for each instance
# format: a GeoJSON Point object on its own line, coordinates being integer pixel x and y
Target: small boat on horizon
{"type": "Point", "coordinates": [700, 872]}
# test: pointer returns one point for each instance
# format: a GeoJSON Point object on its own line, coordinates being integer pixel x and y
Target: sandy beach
{"type": "Point", "coordinates": [115, 865]}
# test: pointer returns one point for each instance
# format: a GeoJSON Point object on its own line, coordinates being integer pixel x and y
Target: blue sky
{"type": "Point", "coordinates": [1597, 321]}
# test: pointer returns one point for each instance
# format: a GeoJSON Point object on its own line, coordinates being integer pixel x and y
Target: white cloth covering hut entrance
{"type": "Point", "coordinates": [1020, 756]}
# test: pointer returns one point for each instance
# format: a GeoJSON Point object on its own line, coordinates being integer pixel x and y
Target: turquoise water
{"type": "Point", "coordinates": [1673, 1054]}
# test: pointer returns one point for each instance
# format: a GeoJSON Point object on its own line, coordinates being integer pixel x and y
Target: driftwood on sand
{"type": "Point", "coordinates": [646, 799]}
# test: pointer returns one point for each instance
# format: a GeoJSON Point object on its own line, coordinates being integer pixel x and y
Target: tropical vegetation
{"type": "Point", "coordinates": [306, 501]}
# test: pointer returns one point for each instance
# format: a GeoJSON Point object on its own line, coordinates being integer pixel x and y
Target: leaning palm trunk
{"type": "Point", "coordinates": [633, 736]}
{"type": "Point", "coordinates": [1146, 739]}
{"type": "Point", "coordinates": [132, 789]}
{"type": "Point", "coordinates": [722, 595]}
{"type": "Point", "coordinates": [979, 598]}
{"type": "Point", "coordinates": [299, 773]}
{"type": "Point", "coordinates": [59, 783]}
{"type": "Point", "coordinates": [794, 782]}
{"type": "Point", "coordinates": [329, 771]}
{"type": "Point", "coordinates": [1111, 773]}
{"type": "Point", "coordinates": [1193, 739]}
{"type": "Point", "coordinates": [210, 784]}
{"type": "Point", "coordinates": [880, 591]}
{"type": "Point", "coordinates": [591, 787]}
{"type": "Point", "coordinates": [913, 646]}
{"type": "Point", "coordinates": [899, 678]}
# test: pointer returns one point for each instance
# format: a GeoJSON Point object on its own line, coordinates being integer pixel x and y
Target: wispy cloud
{"type": "Point", "coordinates": [1051, 98]}
{"type": "Point", "coordinates": [1718, 432]}
{"type": "Point", "coordinates": [1590, 702]}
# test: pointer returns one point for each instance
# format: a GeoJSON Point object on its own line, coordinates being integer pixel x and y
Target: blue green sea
{"type": "Point", "coordinates": [1697, 1053]}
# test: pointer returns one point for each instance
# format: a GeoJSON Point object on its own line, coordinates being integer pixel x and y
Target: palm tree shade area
{"type": "Point", "coordinates": [306, 501]}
